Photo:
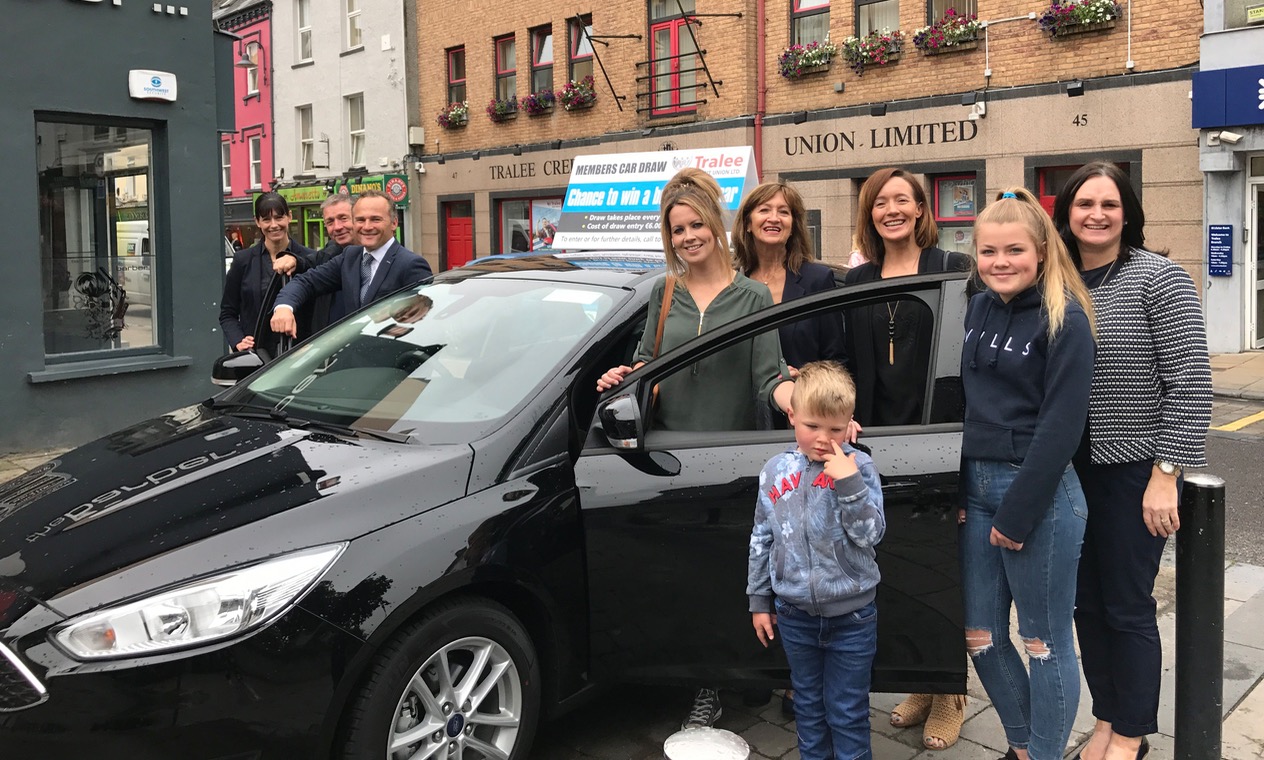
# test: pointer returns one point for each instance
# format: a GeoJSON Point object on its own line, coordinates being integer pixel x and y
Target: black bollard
{"type": "Point", "coordinates": [1200, 558]}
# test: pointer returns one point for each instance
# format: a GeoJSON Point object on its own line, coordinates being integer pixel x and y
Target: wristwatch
{"type": "Point", "coordinates": [1167, 468]}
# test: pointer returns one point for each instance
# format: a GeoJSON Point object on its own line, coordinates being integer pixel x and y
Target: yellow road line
{"type": "Point", "coordinates": [1239, 424]}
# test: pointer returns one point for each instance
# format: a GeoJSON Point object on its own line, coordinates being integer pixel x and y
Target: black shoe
{"type": "Point", "coordinates": [1144, 748]}
{"type": "Point", "coordinates": [706, 710]}
{"type": "Point", "coordinates": [1010, 754]}
{"type": "Point", "coordinates": [787, 704]}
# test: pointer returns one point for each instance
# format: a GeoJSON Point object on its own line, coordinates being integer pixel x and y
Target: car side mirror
{"type": "Point", "coordinates": [235, 367]}
{"type": "Point", "coordinates": [621, 421]}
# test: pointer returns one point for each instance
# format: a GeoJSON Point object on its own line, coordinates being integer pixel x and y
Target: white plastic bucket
{"type": "Point", "coordinates": [705, 744]}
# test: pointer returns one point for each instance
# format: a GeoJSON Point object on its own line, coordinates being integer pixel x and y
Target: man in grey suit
{"type": "Point", "coordinates": [363, 273]}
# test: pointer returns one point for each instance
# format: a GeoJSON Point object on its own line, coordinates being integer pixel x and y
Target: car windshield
{"type": "Point", "coordinates": [443, 362]}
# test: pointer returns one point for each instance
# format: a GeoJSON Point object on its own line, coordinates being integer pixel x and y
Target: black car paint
{"type": "Point", "coordinates": [500, 517]}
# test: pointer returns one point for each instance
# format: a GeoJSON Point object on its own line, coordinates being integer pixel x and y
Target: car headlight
{"type": "Point", "coordinates": [197, 613]}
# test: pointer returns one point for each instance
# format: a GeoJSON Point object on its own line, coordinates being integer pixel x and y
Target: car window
{"type": "Point", "coordinates": [888, 351]}
{"type": "Point", "coordinates": [445, 361]}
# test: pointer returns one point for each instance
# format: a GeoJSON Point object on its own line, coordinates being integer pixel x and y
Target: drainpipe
{"type": "Point", "coordinates": [761, 89]}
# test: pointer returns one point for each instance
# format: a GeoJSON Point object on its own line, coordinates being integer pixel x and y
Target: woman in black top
{"type": "Point", "coordinates": [888, 344]}
{"type": "Point", "coordinates": [771, 245]}
{"type": "Point", "coordinates": [888, 350]}
{"type": "Point", "coordinates": [250, 287]}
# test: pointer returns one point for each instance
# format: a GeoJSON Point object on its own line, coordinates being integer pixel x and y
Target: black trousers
{"type": "Point", "coordinates": [1120, 649]}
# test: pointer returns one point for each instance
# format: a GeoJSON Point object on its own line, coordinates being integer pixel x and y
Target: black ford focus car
{"type": "Point", "coordinates": [422, 531]}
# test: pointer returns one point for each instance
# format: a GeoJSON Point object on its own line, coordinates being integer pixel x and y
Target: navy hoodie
{"type": "Point", "coordinates": [1026, 398]}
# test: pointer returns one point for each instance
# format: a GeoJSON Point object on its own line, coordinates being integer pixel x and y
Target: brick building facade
{"type": "Point", "coordinates": [1016, 106]}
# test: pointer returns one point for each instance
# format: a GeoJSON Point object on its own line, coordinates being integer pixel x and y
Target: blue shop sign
{"type": "Point", "coordinates": [1229, 97]}
{"type": "Point", "coordinates": [1220, 250]}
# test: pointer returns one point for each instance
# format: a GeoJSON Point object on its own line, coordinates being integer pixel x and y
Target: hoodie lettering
{"type": "Point", "coordinates": [823, 481]}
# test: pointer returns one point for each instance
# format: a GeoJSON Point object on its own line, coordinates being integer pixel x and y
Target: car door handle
{"type": "Point", "coordinates": [519, 494]}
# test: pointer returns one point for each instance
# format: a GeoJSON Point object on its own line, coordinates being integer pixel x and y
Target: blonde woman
{"type": "Point", "coordinates": [1026, 368]}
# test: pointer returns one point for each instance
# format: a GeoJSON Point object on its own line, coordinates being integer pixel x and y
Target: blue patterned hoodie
{"type": "Point", "coordinates": [813, 540]}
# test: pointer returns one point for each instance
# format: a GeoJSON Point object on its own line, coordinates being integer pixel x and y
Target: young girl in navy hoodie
{"type": "Point", "coordinates": [1027, 366]}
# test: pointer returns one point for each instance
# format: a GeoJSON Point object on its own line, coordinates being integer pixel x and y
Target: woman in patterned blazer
{"type": "Point", "coordinates": [1149, 410]}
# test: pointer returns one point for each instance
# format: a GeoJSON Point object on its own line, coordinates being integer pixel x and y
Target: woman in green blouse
{"type": "Point", "coordinates": [710, 394]}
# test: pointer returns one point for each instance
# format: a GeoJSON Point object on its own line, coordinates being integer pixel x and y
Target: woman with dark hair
{"type": "Point", "coordinates": [771, 245]}
{"type": "Point", "coordinates": [888, 350]}
{"type": "Point", "coordinates": [1149, 410]}
{"type": "Point", "coordinates": [250, 286]}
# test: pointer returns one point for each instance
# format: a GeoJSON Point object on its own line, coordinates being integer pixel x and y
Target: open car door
{"type": "Point", "coordinates": [667, 517]}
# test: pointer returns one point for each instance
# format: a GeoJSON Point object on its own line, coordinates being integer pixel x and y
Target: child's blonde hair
{"type": "Point", "coordinates": [823, 388]}
{"type": "Point", "coordinates": [1058, 273]}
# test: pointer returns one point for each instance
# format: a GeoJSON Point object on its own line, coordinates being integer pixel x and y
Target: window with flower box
{"type": "Point", "coordinates": [456, 75]}
{"type": "Point", "coordinates": [876, 15]}
{"type": "Point", "coordinates": [506, 68]}
{"type": "Point", "coordinates": [542, 58]}
{"type": "Point", "coordinates": [937, 9]}
{"type": "Point", "coordinates": [673, 58]}
{"type": "Point", "coordinates": [581, 52]}
{"type": "Point", "coordinates": [809, 21]}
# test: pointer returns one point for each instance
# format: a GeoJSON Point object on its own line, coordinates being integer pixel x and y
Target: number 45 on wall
{"type": "Point", "coordinates": [1080, 120]}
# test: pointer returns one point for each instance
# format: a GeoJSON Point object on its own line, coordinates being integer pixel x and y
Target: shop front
{"type": "Point", "coordinates": [1033, 137]}
{"type": "Point", "coordinates": [305, 198]}
{"type": "Point", "coordinates": [239, 223]}
{"type": "Point", "coordinates": [111, 308]}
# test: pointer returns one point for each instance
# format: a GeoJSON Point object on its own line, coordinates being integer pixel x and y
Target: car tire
{"type": "Point", "coordinates": [458, 640]}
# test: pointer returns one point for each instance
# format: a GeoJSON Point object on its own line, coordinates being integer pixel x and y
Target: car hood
{"type": "Point", "coordinates": [196, 474]}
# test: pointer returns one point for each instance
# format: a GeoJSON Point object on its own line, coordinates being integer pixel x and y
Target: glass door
{"type": "Point", "coordinates": [1257, 246]}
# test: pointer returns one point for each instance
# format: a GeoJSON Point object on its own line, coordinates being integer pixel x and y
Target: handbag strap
{"type": "Point", "coordinates": [662, 313]}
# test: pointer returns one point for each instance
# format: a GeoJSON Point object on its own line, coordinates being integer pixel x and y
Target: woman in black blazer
{"type": "Point", "coordinates": [771, 245]}
{"type": "Point", "coordinates": [250, 285]}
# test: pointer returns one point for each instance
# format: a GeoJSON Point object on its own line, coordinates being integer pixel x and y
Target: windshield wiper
{"type": "Point", "coordinates": [250, 411]}
{"type": "Point", "coordinates": [254, 411]}
{"type": "Point", "coordinates": [348, 430]}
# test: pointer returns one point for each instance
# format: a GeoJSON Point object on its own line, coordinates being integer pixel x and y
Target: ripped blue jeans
{"type": "Point", "coordinates": [1036, 708]}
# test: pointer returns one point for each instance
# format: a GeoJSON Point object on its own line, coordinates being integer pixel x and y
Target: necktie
{"type": "Point", "coordinates": [366, 276]}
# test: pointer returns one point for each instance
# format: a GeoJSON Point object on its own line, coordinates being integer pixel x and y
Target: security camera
{"type": "Point", "coordinates": [1233, 138]}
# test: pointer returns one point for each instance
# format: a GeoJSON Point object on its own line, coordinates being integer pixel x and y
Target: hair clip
{"type": "Point", "coordinates": [1008, 194]}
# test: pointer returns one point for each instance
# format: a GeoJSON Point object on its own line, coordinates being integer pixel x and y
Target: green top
{"type": "Point", "coordinates": [718, 392]}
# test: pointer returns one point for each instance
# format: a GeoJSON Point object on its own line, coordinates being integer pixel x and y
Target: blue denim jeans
{"type": "Point", "coordinates": [1037, 708]}
{"type": "Point", "coordinates": [830, 662]}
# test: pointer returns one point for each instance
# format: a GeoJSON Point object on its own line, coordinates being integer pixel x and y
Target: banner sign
{"type": "Point", "coordinates": [612, 200]}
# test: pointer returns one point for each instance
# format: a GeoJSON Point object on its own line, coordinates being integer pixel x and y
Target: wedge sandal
{"type": "Point", "coordinates": [912, 711]}
{"type": "Point", "coordinates": [943, 725]}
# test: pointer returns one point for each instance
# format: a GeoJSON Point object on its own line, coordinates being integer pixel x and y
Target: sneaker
{"type": "Point", "coordinates": [706, 710]}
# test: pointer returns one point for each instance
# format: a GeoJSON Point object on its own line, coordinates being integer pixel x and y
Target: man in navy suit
{"type": "Point", "coordinates": [362, 273]}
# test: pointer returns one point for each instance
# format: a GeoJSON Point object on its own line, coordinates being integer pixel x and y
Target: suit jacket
{"type": "Point", "coordinates": [817, 338]}
{"type": "Point", "coordinates": [246, 292]}
{"type": "Point", "coordinates": [341, 274]}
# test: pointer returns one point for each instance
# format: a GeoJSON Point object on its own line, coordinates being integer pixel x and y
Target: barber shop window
{"type": "Point", "coordinates": [527, 224]}
{"type": "Point", "coordinates": [96, 239]}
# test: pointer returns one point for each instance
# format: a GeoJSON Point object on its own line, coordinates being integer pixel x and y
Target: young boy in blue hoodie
{"type": "Point", "coordinates": [812, 570]}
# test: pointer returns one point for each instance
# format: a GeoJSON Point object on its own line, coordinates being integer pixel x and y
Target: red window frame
{"type": "Point", "coordinates": [541, 70]}
{"type": "Point", "coordinates": [677, 27]}
{"type": "Point", "coordinates": [456, 87]}
{"type": "Point", "coordinates": [584, 60]}
{"type": "Point", "coordinates": [501, 245]}
{"type": "Point", "coordinates": [935, 187]}
{"type": "Point", "coordinates": [799, 13]}
{"type": "Point", "coordinates": [506, 71]}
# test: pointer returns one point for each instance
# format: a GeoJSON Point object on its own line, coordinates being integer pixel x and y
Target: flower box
{"type": "Point", "coordinates": [959, 47]}
{"type": "Point", "coordinates": [874, 49]}
{"type": "Point", "coordinates": [539, 103]}
{"type": "Point", "coordinates": [1073, 29]}
{"type": "Point", "coordinates": [949, 34]}
{"type": "Point", "coordinates": [501, 110]}
{"type": "Point", "coordinates": [455, 116]}
{"type": "Point", "coordinates": [798, 61]}
{"type": "Point", "coordinates": [577, 96]}
{"type": "Point", "coordinates": [1078, 16]}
